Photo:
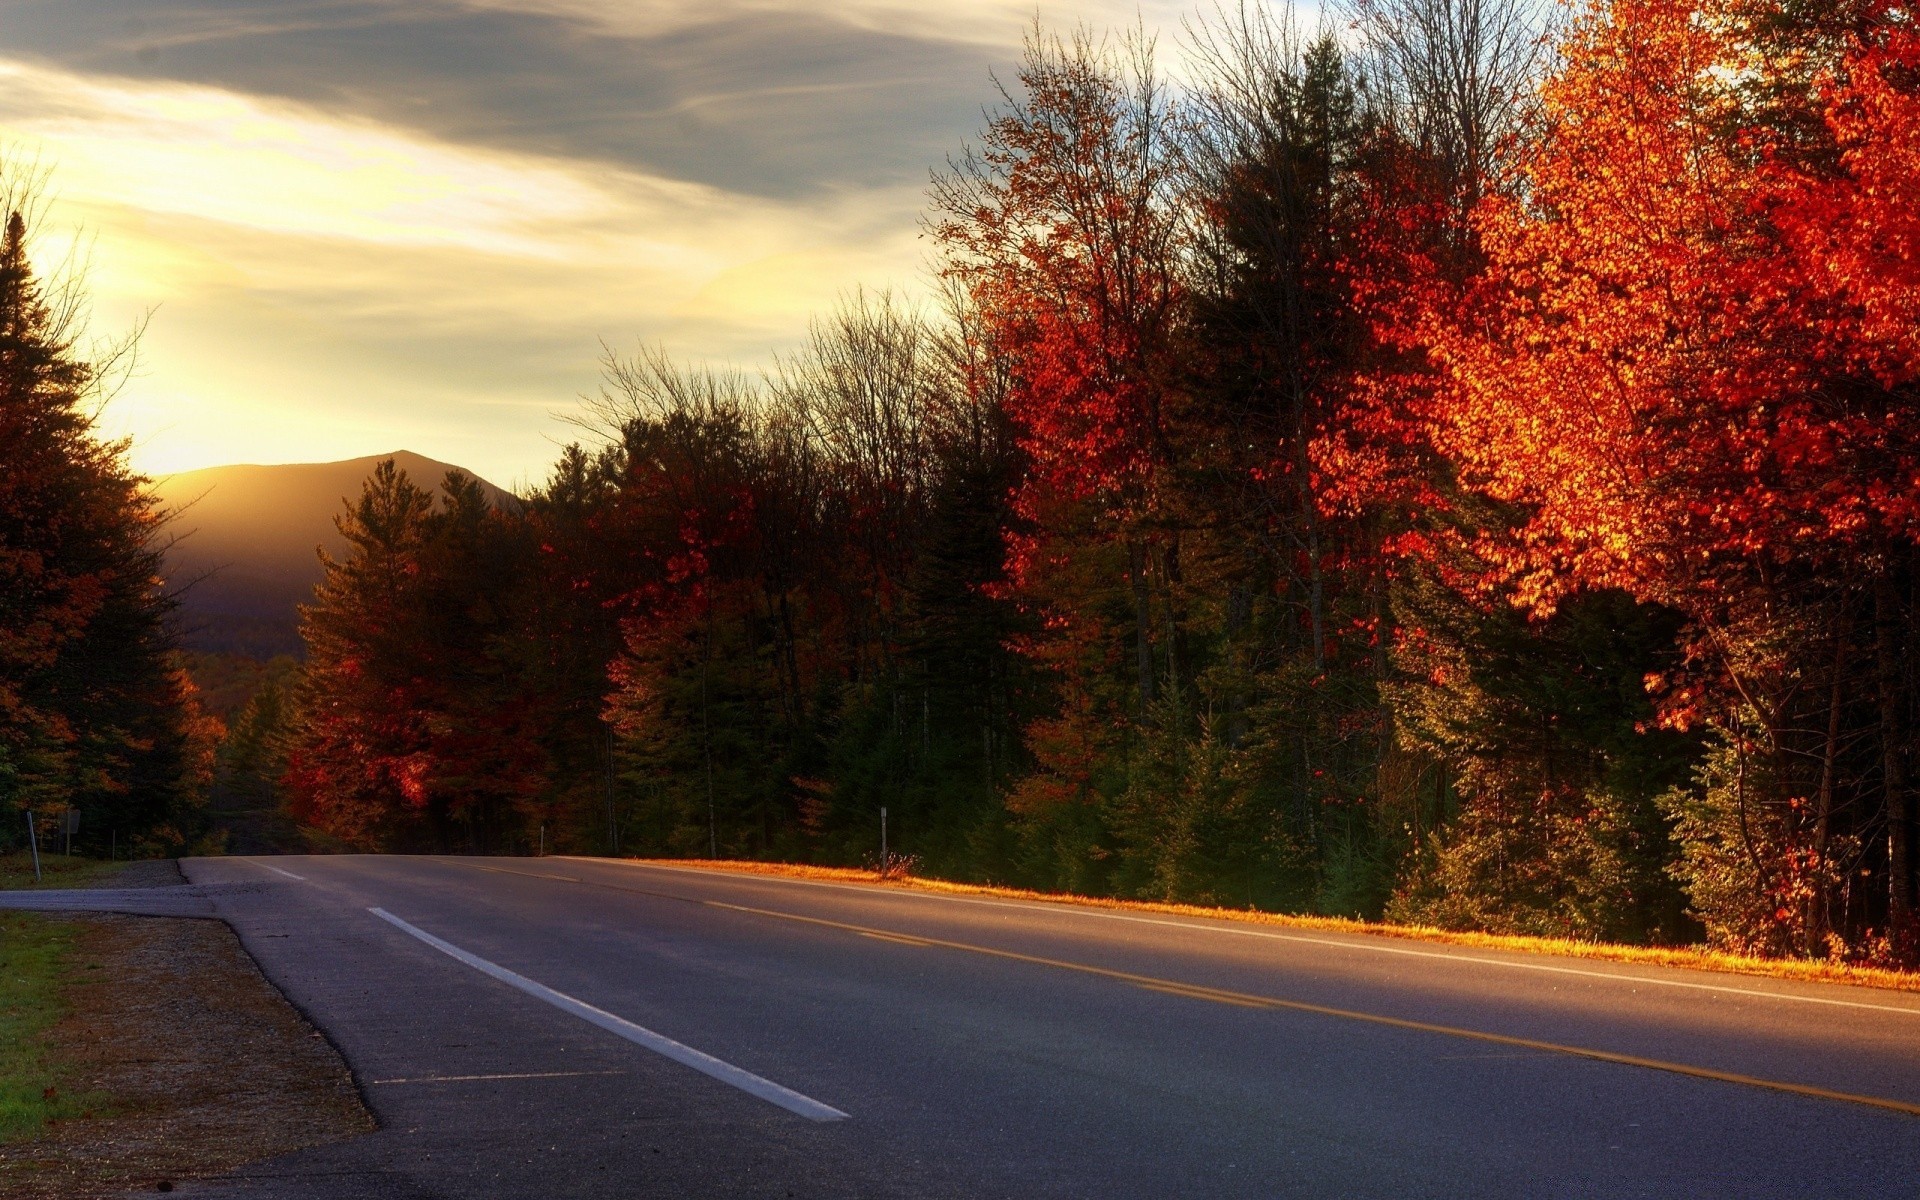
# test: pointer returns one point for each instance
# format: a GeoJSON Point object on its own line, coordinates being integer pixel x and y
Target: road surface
{"type": "Point", "coordinates": [571, 1027]}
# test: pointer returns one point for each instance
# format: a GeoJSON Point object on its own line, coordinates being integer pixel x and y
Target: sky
{"type": "Point", "coordinates": [357, 226]}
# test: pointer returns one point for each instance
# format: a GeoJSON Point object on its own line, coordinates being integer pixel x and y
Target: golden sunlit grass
{"type": "Point", "coordinates": [1694, 958]}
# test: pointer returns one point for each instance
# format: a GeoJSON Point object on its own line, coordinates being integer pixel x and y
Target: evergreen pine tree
{"type": "Point", "coordinates": [95, 710]}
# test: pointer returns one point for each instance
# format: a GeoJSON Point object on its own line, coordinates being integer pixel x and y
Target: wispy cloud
{"type": "Point", "coordinates": [201, 152]}
{"type": "Point", "coordinates": [323, 281]}
{"type": "Point", "coordinates": [985, 22]}
{"type": "Point", "coordinates": [770, 100]}
{"type": "Point", "coordinates": [374, 223]}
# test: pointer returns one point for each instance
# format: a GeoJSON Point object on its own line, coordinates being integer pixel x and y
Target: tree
{"type": "Point", "coordinates": [411, 732]}
{"type": "Point", "coordinates": [95, 710]}
{"type": "Point", "coordinates": [1688, 367]}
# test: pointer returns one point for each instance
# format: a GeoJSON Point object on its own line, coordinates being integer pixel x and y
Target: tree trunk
{"type": "Point", "coordinates": [706, 741]}
{"type": "Point", "coordinates": [1170, 578]}
{"type": "Point", "coordinates": [1821, 919]}
{"type": "Point", "coordinates": [1239, 615]}
{"type": "Point", "coordinates": [1899, 806]}
{"type": "Point", "coordinates": [1142, 619]}
{"type": "Point", "coordinates": [1310, 520]}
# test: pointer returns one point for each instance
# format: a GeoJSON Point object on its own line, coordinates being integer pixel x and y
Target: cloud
{"type": "Point", "coordinates": [768, 97]}
{"type": "Point", "coordinates": [372, 223]}
{"type": "Point", "coordinates": [329, 283]}
{"type": "Point", "coordinates": [755, 99]}
{"type": "Point", "coordinates": [198, 151]}
{"type": "Point", "coordinates": [991, 23]}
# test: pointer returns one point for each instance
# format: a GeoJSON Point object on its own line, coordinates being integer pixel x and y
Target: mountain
{"type": "Point", "coordinates": [245, 540]}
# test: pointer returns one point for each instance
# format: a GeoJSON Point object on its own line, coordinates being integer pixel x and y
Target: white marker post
{"type": "Point", "coordinates": [33, 840]}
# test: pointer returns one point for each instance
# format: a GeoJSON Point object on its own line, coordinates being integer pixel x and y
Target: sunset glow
{"type": "Point", "coordinates": [335, 262]}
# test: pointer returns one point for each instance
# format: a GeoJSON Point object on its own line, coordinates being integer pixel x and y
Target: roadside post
{"type": "Point", "coordinates": [543, 840]}
{"type": "Point", "coordinates": [70, 825]}
{"type": "Point", "coordinates": [33, 841]}
{"type": "Point", "coordinates": [883, 840]}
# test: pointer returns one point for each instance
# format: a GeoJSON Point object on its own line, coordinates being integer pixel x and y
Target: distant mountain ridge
{"type": "Point", "coordinates": [245, 539]}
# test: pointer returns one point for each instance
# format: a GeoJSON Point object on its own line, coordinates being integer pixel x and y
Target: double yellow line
{"type": "Point", "coordinates": [1174, 987]}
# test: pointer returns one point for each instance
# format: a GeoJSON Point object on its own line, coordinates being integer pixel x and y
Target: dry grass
{"type": "Point", "coordinates": [190, 1064]}
{"type": "Point", "coordinates": [1694, 958]}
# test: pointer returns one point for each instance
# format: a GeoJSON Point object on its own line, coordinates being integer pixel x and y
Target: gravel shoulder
{"type": "Point", "coordinates": [190, 1061]}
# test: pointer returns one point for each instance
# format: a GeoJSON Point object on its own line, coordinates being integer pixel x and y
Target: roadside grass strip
{"type": "Point", "coordinates": [36, 956]}
{"type": "Point", "coordinates": [660, 1044]}
{"type": "Point", "coordinates": [56, 871]}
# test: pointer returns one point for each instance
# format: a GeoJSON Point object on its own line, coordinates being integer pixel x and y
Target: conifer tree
{"type": "Point", "coordinates": [413, 728]}
{"type": "Point", "coordinates": [95, 710]}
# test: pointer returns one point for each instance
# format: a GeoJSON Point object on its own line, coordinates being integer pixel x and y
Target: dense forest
{"type": "Point", "coordinates": [97, 713]}
{"type": "Point", "coordinates": [1432, 466]}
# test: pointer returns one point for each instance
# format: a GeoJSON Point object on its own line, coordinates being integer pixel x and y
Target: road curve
{"type": "Point", "coordinates": [578, 1027]}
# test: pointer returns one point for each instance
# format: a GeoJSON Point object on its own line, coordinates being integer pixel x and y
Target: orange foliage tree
{"type": "Point", "coordinates": [1690, 362]}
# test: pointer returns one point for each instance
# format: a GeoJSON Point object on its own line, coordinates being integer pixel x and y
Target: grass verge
{"type": "Point", "coordinates": [36, 957]}
{"type": "Point", "coordinates": [56, 870]}
{"type": "Point", "coordinates": [160, 1053]}
{"type": "Point", "coordinates": [1696, 958]}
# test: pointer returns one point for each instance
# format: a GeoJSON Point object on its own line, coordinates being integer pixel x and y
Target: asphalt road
{"type": "Point", "coordinates": [565, 1027]}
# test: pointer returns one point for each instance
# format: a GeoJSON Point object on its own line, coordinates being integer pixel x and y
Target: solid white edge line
{"type": "Point", "coordinates": [1337, 943]}
{"type": "Point", "coordinates": [706, 1064]}
{"type": "Point", "coordinates": [276, 870]}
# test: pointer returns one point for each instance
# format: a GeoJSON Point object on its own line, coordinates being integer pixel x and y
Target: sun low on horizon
{"type": "Point", "coordinates": [382, 223]}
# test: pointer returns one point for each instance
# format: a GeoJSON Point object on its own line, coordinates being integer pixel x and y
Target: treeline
{"type": "Point", "coordinates": [754, 614]}
{"type": "Point", "coordinates": [96, 710]}
{"type": "Point", "coordinates": [1455, 473]}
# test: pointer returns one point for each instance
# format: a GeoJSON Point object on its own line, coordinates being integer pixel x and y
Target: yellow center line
{"type": "Point", "coordinates": [1194, 993]}
{"type": "Point", "coordinates": [1248, 1000]}
{"type": "Point", "coordinates": [900, 938]}
{"type": "Point", "coordinates": [526, 874]}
